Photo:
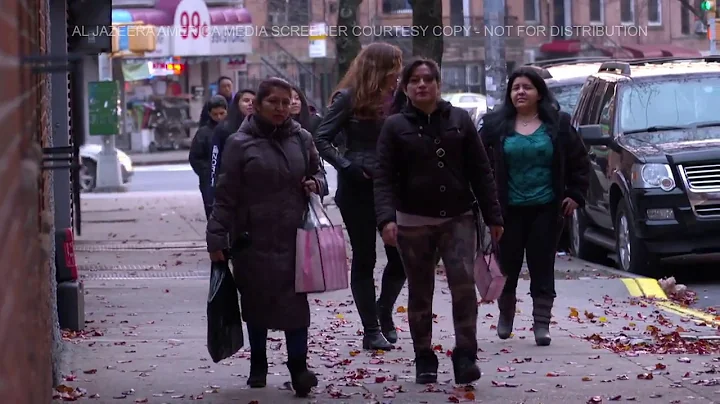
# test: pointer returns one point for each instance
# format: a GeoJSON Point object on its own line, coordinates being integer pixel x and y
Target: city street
{"type": "Point", "coordinates": [180, 177]}
{"type": "Point", "coordinates": [143, 261]}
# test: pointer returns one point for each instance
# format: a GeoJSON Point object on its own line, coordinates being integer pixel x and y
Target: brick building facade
{"type": "Point", "coordinates": [25, 211]}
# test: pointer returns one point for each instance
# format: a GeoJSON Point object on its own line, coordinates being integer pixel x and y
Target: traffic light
{"type": "Point", "coordinates": [708, 6]}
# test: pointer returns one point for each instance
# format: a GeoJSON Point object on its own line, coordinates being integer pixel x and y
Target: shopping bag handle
{"type": "Point", "coordinates": [316, 198]}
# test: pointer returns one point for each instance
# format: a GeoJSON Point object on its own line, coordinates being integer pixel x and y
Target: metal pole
{"type": "Point", "coordinates": [495, 65]}
{"type": "Point", "coordinates": [713, 35]}
{"type": "Point", "coordinates": [109, 174]}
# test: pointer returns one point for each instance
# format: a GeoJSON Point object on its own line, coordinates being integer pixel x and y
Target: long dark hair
{"type": "Point", "coordinates": [235, 117]}
{"type": "Point", "coordinates": [303, 118]}
{"type": "Point", "coordinates": [504, 116]}
{"type": "Point", "coordinates": [401, 99]}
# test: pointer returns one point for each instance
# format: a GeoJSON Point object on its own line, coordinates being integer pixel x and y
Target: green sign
{"type": "Point", "coordinates": [104, 111]}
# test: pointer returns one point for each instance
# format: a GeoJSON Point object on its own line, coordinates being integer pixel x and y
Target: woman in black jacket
{"type": "Point", "coordinates": [432, 167]}
{"type": "Point", "coordinates": [541, 170]}
{"type": "Point", "coordinates": [358, 109]}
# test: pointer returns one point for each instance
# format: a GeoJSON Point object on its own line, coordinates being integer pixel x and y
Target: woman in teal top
{"type": "Point", "coordinates": [541, 171]}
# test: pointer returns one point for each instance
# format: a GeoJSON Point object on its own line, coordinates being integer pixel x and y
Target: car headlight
{"type": "Point", "coordinates": [653, 176]}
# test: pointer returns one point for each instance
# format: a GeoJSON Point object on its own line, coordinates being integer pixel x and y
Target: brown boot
{"type": "Point", "coordinates": [542, 314]}
{"type": "Point", "coordinates": [506, 304]}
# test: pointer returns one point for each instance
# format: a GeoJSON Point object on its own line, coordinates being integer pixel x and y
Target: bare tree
{"type": "Point", "coordinates": [347, 43]}
{"type": "Point", "coordinates": [427, 16]}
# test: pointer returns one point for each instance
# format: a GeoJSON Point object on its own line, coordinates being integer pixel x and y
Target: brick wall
{"type": "Point", "coordinates": [25, 337]}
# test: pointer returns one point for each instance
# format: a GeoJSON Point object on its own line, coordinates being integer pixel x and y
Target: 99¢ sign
{"type": "Point", "coordinates": [191, 36]}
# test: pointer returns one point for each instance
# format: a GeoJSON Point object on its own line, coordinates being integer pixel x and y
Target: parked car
{"type": "Point", "coordinates": [88, 170]}
{"type": "Point", "coordinates": [474, 104]}
{"type": "Point", "coordinates": [653, 135]}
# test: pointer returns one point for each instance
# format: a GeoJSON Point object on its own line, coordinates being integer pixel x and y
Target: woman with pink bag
{"type": "Point", "coordinates": [260, 200]}
{"type": "Point", "coordinates": [432, 166]}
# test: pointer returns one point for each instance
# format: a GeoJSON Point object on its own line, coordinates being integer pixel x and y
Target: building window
{"type": "Point", "coordinates": [396, 6]}
{"type": "Point", "coordinates": [655, 12]}
{"type": "Point", "coordinates": [685, 20]}
{"type": "Point", "coordinates": [532, 11]}
{"type": "Point", "coordinates": [288, 12]}
{"type": "Point", "coordinates": [597, 12]}
{"type": "Point", "coordinates": [627, 11]}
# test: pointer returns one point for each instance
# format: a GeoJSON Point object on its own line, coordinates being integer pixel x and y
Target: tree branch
{"type": "Point", "coordinates": [692, 9]}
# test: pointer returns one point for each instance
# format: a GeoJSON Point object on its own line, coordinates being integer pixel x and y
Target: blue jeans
{"type": "Point", "coordinates": [296, 341]}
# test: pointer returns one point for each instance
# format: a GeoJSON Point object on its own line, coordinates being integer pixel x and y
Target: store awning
{"type": "Point", "coordinates": [150, 16]}
{"type": "Point", "coordinates": [229, 16]}
{"type": "Point", "coordinates": [562, 46]}
{"type": "Point", "coordinates": [644, 51]}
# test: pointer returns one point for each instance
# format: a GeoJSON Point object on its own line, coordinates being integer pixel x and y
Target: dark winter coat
{"type": "Point", "coordinates": [571, 164]}
{"type": "Point", "coordinates": [259, 191]}
{"type": "Point", "coordinates": [199, 155]}
{"type": "Point", "coordinates": [219, 137]}
{"type": "Point", "coordinates": [431, 165]}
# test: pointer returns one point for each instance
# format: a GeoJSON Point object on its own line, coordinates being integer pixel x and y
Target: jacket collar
{"type": "Point", "coordinates": [257, 126]}
{"type": "Point", "coordinates": [415, 114]}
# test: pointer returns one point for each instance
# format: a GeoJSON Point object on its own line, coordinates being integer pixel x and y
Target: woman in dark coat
{"type": "Point", "coordinates": [358, 110]}
{"type": "Point", "coordinates": [542, 172]}
{"type": "Point", "coordinates": [262, 192]}
{"type": "Point", "coordinates": [432, 171]}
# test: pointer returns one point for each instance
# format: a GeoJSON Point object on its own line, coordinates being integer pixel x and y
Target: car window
{"type": "Point", "coordinates": [567, 96]}
{"type": "Point", "coordinates": [605, 109]}
{"type": "Point", "coordinates": [676, 102]}
{"type": "Point", "coordinates": [584, 103]}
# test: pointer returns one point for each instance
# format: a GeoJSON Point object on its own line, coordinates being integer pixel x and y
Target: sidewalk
{"type": "Point", "coordinates": [146, 291]}
{"type": "Point", "coordinates": [160, 157]}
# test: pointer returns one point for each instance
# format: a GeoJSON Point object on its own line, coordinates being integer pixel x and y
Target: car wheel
{"type": "Point", "coordinates": [579, 247]}
{"type": "Point", "coordinates": [88, 175]}
{"type": "Point", "coordinates": [632, 255]}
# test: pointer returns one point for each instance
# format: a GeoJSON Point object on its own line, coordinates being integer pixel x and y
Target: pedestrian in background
{"type": "Point", "coordinates": [541, 170]}
{"type": "Point", "coordinates": [300, 111]}
{"type": "Point", "coordinates": [262, 191]}
{"type": "Point", "coordinates": [201, 146]}
{"type": "Point", "coordinates": [225, 90]}
{"type": "Point", "coordinates": [358, 109]}
{"type": "Point", "coordinates": [432, 166]}
{"type": "Point", "coordinates": [240, 107]}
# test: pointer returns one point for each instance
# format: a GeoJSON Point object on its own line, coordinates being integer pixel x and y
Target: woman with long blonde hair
{"type": "Point", "coordinates": [357, 110]}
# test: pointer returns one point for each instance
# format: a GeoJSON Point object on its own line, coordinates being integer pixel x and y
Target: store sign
{"type": "Point", "coordinates": [191, 35]}
{"type": "Point", "coordinates": [230, 40]}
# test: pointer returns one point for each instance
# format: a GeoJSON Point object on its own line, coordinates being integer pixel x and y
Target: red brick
{"type": "Point", "coordinates": [25, 366]}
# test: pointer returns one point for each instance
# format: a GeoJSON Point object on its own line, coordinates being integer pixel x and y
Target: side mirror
{"type": "Point", "coordinates": [593, 135]}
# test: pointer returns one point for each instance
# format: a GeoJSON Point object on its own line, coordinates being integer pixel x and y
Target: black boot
{"type": "Point", "coordinates": [374, 340]}
{"type": "Point", "coordinates": [464, 366]}
{"type": "Point", "coordinates": [387, 326]}
{"type": "Point", "coordinates": [302, 379]}
{"type": "Point", "coordinates": [258, 372]}
{"type": "Point", "coordinates": [426, 367]}
{"type": "Point", "coordinates": [506, 304]}
{"type": "Point", "coordinates": [542, 313]}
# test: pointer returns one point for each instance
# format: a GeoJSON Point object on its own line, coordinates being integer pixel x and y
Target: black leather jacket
{"type": "Point", "coordinates": [361, 137]}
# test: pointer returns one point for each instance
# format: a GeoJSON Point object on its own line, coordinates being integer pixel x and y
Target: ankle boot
{"type": "Point", "coordinates": [542, 313]}
{"type": "Point", "coordinates": [374, 340]}
{"type": "Point", "coordinates": [302, 379]}
{"type": "Point", "coordinates": [387, 326]}
{"type": "Point", "coordinates": [258, 371]}
{"type": "Point", "coordinates": [465, 367]}
{"type": "Point", "coordinates": [506, 304]}
{"type": "Point", "coordinates": [426, 367]}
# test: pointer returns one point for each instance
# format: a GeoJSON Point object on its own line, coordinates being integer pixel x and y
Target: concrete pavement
{"type": "Point", "coordinates": [145, 269]}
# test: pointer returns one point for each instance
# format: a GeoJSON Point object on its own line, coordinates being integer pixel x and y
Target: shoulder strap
{"type": "Point", "coordinates": [303, 149]}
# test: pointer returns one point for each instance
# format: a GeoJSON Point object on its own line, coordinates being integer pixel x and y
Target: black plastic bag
{"type": "Point", "coordinates": [225, 334]}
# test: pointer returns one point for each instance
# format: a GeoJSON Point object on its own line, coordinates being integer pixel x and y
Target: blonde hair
{"type": "Point", "coordinates": [368, 75]}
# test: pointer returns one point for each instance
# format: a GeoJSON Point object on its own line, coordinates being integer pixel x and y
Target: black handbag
{"type": "Point", "coordinates": [224, 333]}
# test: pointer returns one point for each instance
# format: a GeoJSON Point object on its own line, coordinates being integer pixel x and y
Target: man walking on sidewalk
{"type": "Point", "coordinates": [225, 89]}
{"type": "Point", "coordinates": [200, 148]}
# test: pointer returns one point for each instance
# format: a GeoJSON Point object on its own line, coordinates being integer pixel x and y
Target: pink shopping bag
{"type": "Point", "coordinates": [321, 255]}
{"type": "Point", "coordinates": [489, 279]}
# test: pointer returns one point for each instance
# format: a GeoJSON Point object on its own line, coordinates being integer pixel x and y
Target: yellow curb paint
{"type": "Point", "coordinates": [651, 288]}
{"type": "Point", "coordinates": [648, 287]}
{"type": "Point", "coordinates": [632, 287]}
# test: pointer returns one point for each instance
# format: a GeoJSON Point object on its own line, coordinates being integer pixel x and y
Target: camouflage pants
{"type": "Point", "coordinates": [454, 240]}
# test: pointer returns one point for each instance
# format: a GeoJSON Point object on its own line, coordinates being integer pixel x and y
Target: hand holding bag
{"type": "Point", "coordinates": [321, 255]}
{"type": "Point", "coordinates": [489, 278]}
{"type": "Point", "coordinates": [224, 333]}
